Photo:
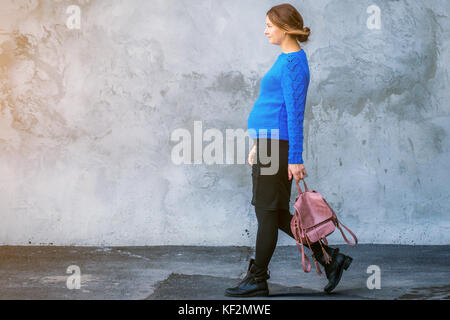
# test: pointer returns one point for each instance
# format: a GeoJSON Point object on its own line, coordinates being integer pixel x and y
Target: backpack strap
{"type": "Point", "coordinates": [303, 258]}
{"type": "Point", "coordinates": [345, 238]}
{"type": "Point", "coordinates": [319, 272]}
{"type": "Point", "coordinates": [298, 237]}
{"type": "Point", "coordinates": [339, 227]}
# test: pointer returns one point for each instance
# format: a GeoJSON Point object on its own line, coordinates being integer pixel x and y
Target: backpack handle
{"type": "Point", "coordinates": [298, 187]}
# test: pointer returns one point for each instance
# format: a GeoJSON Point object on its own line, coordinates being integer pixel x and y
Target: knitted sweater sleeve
{"type": "Point", "coordinates": [294, 83]}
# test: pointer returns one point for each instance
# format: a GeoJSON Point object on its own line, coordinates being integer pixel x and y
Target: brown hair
{"type": "Point", "coordinates": [286, 17]}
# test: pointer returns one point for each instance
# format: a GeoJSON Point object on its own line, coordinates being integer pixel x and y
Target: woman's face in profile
{"type": "Point", "coordinates": [274, 33]}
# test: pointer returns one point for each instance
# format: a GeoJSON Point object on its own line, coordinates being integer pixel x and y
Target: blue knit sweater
{"type": "Point", "coordinates": [281, 103]}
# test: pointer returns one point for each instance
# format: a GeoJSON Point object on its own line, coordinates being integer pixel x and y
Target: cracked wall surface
{"type": "Point", "coordinates": [86, 117]}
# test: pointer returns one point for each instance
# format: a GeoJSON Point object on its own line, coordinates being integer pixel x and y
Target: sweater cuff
{"type": "Point", "coordinates": [295, 157]}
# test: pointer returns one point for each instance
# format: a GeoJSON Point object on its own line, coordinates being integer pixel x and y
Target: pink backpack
{"type": "Point", "coordinates": [313, 220]}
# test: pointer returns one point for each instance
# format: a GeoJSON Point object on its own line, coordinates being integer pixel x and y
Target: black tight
{"type": "Point", "coordinates": [269, 221]}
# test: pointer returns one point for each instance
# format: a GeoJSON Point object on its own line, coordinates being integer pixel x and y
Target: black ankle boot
{"type": "Point", "coordinates": [254, 283]}
{"type": "Point", "coordinates": [339, 262]}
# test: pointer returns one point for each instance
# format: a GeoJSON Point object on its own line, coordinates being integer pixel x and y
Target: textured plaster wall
{"type": "Point", "coordinates": [86, 117]}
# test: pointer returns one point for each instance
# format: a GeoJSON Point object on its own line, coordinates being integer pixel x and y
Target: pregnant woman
{"type": "Point", "coordinates": [278, 114]}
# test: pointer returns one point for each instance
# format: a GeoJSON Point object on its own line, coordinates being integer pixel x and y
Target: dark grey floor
{"type": "Point", "coordinates": [190, 272]}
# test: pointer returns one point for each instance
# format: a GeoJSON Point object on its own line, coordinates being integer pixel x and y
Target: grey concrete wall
{"type": "Point", "coordinates": [87, 114]}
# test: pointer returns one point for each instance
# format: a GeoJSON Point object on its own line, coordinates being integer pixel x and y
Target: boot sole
{"type": "Point", "coordinates": [260, 293]}
{"type": "Point", "coordinates": [345, 265]}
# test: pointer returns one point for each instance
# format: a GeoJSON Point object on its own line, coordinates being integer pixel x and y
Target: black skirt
{"type": "Point", "coordinates": [271, 190]}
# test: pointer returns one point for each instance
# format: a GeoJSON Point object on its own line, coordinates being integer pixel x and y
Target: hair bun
{"type": "Point", "coordinates": [304, 34]}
